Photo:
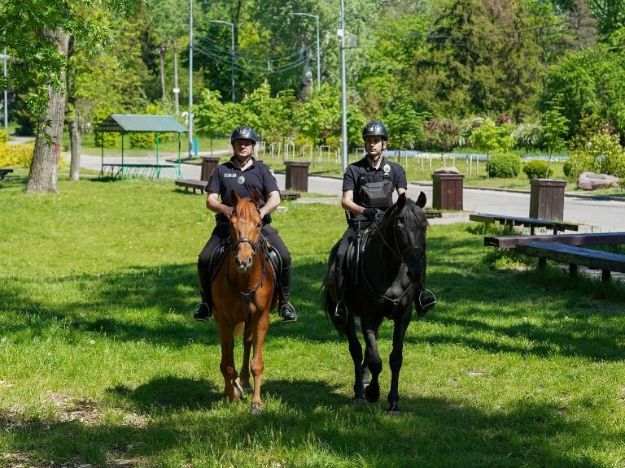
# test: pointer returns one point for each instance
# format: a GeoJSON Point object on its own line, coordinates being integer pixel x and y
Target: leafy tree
{"type": "Point", "coordinates": [39, 33]}
{"type": "Point", "coordinates": [320, 116]}
{"type": "Point", "coordinates": [210, 114]}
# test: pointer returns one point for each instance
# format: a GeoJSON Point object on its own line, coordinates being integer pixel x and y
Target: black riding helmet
{"type": "Point", "coordinates": [375, 128]}
{"type": "Point", "coordinates": [244, 133]}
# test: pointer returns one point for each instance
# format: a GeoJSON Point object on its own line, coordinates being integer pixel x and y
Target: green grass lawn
{"type": "Point", "coordinates": [101, 364]}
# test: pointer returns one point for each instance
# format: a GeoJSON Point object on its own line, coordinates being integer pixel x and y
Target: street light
{"type": "Point", "coordinates": [232, 53]}
{"type": "Point", "coordinates": [318, 46]}
{"type": "Point", "coordinates": [5, 57]}
{"type": "Point", "coordinates": [341, 33]}
{"type": "Point", "coordinates": [190, 120]}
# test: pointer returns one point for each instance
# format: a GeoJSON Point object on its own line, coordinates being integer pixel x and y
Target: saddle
{"type": "Point", "coordinates": [352, 257]}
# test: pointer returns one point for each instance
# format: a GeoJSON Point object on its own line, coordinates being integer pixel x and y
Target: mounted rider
{"type": "Point", "coordinates": [368, 187]}
{"type": "Point", "coordinates": [243, 174]}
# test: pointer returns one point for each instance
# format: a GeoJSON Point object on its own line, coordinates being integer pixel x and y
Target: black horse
{"type": "Point", "coordinates": [390, 276]}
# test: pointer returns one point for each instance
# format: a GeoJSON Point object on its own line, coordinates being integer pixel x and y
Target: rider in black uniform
{"type": "Point", "coordinates": [368, 186]}
{"type": "Point", "coordinates": [243, 174]}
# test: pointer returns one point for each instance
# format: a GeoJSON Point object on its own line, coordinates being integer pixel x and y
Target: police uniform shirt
{"type": "Point", "coordinates": [353, 177]}
{"type": "Point", "coordinates": [228, 176]}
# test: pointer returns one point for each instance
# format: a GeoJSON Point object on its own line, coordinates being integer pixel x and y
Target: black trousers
{"type": "Point", "coordinates": [222, 233]}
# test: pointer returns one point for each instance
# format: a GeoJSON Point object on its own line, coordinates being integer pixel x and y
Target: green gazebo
{"type": "Point", "coordinates": [128, 123]}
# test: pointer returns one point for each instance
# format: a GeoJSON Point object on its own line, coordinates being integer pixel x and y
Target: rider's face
{"type": "Point", "coordinates": [374, 146]}
{"type": "Point", "coordinates": [243, 149]}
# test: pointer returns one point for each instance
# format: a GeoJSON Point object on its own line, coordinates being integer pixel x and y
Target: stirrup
{"type": "Point", "coordinates": [287, 312]}
{"type": "Point", "coordinates": [203, 312]}
{"type": "Point", "coordinates": [340, 313]}
{"type": "Point", "coordinates": [427, 300]}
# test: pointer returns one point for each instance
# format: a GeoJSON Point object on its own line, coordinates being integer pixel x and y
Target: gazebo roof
{"type": "Point", "coordinates": [141, 123]}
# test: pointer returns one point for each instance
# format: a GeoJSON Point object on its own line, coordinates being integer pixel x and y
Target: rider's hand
{"type": "Point", "coordinates": [369, 213]}
{"type": "Point", "coordinates": [228, 210]}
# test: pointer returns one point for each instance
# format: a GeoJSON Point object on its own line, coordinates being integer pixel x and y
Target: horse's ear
{"type": "Point", "coordinates": [401, 201]}
{"type": "Point", "coordinates": [256, 196]}
{"type": "Point", "coordinates": [235, 197]}
{"type": "Point", "coordinates": [421, 200]}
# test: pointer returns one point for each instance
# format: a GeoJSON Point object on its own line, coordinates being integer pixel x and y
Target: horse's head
{"type": "Point", "coordinates": [403, 231]}
{"type": "Point", "coordinates": [245, 225]}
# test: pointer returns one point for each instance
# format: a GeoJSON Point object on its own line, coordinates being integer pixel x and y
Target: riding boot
{"type": "Point", "coordinates": [285, 308]}
{"type": "Point", "coordinates": [340, 312]}
{"type": "Point", "coordinates": [204, 309]}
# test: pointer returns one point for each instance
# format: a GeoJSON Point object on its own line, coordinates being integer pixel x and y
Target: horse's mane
{"type": "Point", "coordinates": [247, 209]}
{"type": "Point", "coordinates": [411, 209]}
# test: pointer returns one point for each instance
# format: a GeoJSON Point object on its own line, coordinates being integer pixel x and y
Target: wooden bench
{"type": "Point", "coordinates": [531, 223]}
{"type": "Point", "coordinates": [192, 184]}
{"type": "Point", "coordinates": [582, 239]}
{"type": "Point", "coordinates": [4, 172]}
{"type": "Point", "coordinates": [574, 256]}
{"type": "Point", "coordinates": [289, 195]}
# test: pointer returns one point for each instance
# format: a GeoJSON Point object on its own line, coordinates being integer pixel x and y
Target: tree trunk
{"type": "Point", "coordinates": [44, 167]}
{"type": "Point", "coordinates": [75, 143]}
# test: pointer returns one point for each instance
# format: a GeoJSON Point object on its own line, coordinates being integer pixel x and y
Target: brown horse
{"type": "Point", "coordinates": [244, 292]}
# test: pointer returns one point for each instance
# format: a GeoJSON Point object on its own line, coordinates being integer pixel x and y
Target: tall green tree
{"type": "Point", "coordinates": [39, 32]}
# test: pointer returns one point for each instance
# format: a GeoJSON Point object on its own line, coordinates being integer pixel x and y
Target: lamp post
{"type": "Point", "coordinates": [5, 57]}
{"type": "Point", "coordinates": [232, 51]}
{"type": "Point", "coordinates": [341, 33]}
{"type": "Point", "coordinates": [318, 46]}
{"type": "Point", "coordinates": [190, 120]}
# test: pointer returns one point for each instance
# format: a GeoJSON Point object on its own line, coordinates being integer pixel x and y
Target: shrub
{"type": "Point", "coordinates": [16, 155]}
{"type": "Point", "coordinates": [142, 140]}
{"type": "Point", "coordinates": [537, 169]}
{"type": "Point", "coordinates": [4, 136]}
{"type": "Point", "coordinates": [504, 164]}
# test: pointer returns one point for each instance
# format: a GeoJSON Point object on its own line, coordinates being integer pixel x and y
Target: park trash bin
{"type": "Point", "coordinates": [209, 163]}
{"type": "Point", "coordinates": [297, 175]}
{"type": "Point", "coordinates": [547, 199]}
{"type": "Point", "coordinates": [447, 190]}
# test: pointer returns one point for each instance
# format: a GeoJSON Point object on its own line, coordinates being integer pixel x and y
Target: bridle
{"type": "Point", "coordinates": [249, 295]}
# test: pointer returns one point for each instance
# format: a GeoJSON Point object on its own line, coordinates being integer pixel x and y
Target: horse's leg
{"type": "Point", "coordinates": [355, 350]}
{"type": "Point", "coordinates": [372, 363]}
{"type": "Point", "coordinates": [232, 389]}
{"type": "Point", "coordinates": [244, 375]}
{"type": "Point", "coordinates": [396, 358]}
{"type": "Point", "coordinates": [259, 331]}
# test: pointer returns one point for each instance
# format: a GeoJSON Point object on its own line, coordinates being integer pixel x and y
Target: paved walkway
{"type": "Point", "coordinates": [598, 215]}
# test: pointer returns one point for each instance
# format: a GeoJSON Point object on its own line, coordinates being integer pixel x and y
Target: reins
{"type": "Point", "coordinates": [401, 258]}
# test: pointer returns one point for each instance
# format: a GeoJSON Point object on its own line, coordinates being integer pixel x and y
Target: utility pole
{"type": "Point", "coordinates": [232, 52]}
{"type": "Point", "coordinates": [176, 88]}
{"type": "Point", "coordinates": [341, 33]}
{"type": "Point", "coordinates": [190, 79]}
{"type": "Point", "coordinates": [5, 57]}
{"type": "Point", "coordinates": [318, 46]}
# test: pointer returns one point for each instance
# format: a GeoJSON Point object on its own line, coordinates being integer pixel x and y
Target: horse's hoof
{"type": "Point", "coordinates": [372, 393]}
{"type": "Point", "coordinates": [255, 410]}
{"type": "Point", "coordinates": [393, 409]}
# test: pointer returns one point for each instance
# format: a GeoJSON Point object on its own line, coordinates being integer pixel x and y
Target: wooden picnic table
{"type": "Point", "coordinates": [531, 223]}
{"type": "Point", "coordinates": [580, 239]}
{"type": "Point", "coordinates": [574, 256]}
{"type": "Point", "coordinates": [4, 171]}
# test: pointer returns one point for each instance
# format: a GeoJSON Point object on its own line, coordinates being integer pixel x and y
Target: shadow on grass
{"type": "Point", "coordinates": [306, 415]}
{"type": "Point", "coordinates": [155, 304]}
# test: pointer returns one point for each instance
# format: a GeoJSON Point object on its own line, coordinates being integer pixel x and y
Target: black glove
{"type": "Point", "coordinates": [370, 213]}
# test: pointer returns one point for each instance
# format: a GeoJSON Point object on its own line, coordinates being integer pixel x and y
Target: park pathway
{"type": "Point", "coordinates": [597, 214]}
